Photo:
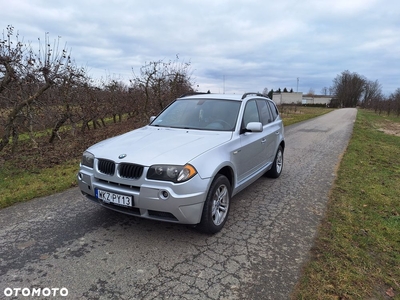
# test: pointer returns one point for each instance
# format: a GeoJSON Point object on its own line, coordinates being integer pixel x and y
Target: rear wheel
{"type": "Point", "coordinates": [277, 166]}
{"type": "Point", "coordinates": [216, 206]}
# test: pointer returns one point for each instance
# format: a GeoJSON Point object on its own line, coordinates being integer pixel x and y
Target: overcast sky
{"type": "Point", "coordinates": [233, 46]}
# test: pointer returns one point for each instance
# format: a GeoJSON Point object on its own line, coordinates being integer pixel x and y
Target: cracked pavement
{"type": "Point", "coordinates": [67, 241]}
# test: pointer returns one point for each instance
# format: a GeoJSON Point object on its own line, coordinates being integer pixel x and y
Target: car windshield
{"type": "Point", "coordinates": [202, 114]}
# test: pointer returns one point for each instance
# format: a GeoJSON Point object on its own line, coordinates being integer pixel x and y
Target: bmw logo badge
{"type": "Point", "coordinates": [122, 156]}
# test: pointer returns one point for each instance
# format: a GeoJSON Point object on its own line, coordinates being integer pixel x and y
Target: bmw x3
{"type": "Point", "coordinates": [189, 161]}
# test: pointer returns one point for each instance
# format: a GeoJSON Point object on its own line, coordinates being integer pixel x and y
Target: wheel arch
{"type": "Point", "coordinates": [229, 174]}
{"type": "Point", "coordinates": [282, 144]}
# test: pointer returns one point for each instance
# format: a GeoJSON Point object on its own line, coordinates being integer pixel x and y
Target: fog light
{"type": "Point", "coordinates": [164, 195]}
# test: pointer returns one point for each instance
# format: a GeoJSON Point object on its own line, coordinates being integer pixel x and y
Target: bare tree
{"type": "Point", "coordinates": [348, 88]}
{"type": "Point", "coordinates": [118, 94]}
{"type": "Point", "coordinates": [372, 93]}
{"type": "Point", "coordinates": [66, 93]}
{"type": "Point", "coordinates": [395, 99]}
{"type": "Point", "coordinates": [160, 82]}
{"type": "Point", "coordinates": [24, 77]}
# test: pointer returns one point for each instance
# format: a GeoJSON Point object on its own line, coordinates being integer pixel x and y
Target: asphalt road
{"type": "Point", "coordinates": [64, 244]}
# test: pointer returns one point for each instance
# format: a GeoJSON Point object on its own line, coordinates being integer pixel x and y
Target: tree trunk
{"type": "Point", "coordinates": [17, 109]}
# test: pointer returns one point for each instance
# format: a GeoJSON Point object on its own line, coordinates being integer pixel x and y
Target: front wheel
{"type": "Point", "coordinates": [216, 206]}
{"type": "Point", "coordinates": [277, 166]}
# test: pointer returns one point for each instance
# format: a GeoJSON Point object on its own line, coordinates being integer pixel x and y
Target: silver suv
{"type": "Point", "coordinates": [185, 166]}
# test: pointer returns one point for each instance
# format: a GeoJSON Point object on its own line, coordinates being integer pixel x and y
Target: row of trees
{"type": "Point", "coordinates": [45, 89]}
{"type": "Point", "coordinates": [271, 92]}
{"type": "Point", "coordinates": [351, 90]}
{"type": "Point", "coordinates": [390, 104]}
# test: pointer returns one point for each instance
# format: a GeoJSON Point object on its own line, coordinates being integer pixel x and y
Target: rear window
{"type": "Point", "coordinates": [274, 109]}
{"type": "Point", "coordinates": [265, 112]}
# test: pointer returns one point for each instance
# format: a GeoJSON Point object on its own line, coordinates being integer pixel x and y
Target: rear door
{"type": "Point", "coordinates": [269, 131]}
{"type": "Point", "coordinates": [277, 125]}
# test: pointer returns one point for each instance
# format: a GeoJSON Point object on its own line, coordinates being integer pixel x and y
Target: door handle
{"type": "Point", "coordinates": [237, 151]}
{"type": "Point", "coordinates": [263, 141]}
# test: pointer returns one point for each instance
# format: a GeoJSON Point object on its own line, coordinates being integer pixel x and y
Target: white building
{"type": "Point", "coordinates": [287, 98]}
{"type": "Point", "coordinates": [316, 99]}
{"type": "Point", "coordinates": [298, 98]}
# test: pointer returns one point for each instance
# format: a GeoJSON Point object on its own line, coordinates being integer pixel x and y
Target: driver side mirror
{"type": "Point", "coordinates": [152, 118]}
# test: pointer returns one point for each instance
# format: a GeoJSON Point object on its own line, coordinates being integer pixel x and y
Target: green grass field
{"type": "Point", "coordinates": [357, 252]}
{"type": "Point", "coordinates": [19, 185]}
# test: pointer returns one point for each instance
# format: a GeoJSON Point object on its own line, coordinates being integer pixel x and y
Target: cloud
{"type": "Point", "coordinates": [233, 46]}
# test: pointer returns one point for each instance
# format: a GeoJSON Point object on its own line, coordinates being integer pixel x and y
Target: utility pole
{"type": "Point", "coordinates": [297, 84]}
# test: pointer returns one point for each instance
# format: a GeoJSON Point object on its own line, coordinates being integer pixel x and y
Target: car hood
{"type": "Point", "coordinates": [152, 145]}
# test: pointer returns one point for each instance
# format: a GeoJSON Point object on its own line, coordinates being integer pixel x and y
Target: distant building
{"type": "Point", "coordinates": [299, 98]}
{"type": "Point", "coordinates": [287, 98]}
{"type": "Point", "coordinates": [317, 99]}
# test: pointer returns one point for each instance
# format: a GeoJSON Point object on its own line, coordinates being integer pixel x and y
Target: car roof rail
{"type": "Point", "coordinates": [194, 93]}
{"type": "Point", "coordinates": [257, 94]}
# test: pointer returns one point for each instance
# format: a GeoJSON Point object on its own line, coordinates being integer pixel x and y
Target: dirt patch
{"type": "Point", "coordinates": [389, 128]}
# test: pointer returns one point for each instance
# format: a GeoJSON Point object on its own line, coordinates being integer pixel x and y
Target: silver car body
{"type": "Point", "coordinates": [240, 155]}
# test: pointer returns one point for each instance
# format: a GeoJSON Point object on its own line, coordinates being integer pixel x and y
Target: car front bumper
{"type": "Point", "coordinates": [158, 200]}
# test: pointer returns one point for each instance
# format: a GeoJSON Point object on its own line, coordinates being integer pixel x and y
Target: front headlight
{"type": "Point", "coordinates": [171, 173]}
{"type": "Point", "coordinates": [87, 159]}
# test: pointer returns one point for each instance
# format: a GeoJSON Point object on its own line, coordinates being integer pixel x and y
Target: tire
{"type": "Point", "coordinates": [277, 166]}
{"type": "Point", "coordinates": [216, 207]}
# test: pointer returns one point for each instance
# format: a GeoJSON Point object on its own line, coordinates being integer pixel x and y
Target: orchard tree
{"type": "Point", "coordinates": [66, 93]}
{"type": "Point", "coordinates": [372, 93]}
{"type": "Point", "coordinates": [25, 75]}
{"type": "Point", "coordinates": [160, 82]}
{"type": "Point", "coordinates": [348, 88]}
{"type": "Point", "coordinates": [117, 98]}
{"type": "Point", "coordinates": [395, 98]}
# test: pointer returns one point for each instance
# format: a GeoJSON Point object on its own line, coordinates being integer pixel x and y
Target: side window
{"type": "Point", "coordinates": [250, 113]}
{"type": "Point", "coordinates": [274, 110]}
{"type": "Point", "coordinates": [265, 112]}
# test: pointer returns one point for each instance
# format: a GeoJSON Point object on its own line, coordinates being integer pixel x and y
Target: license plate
{"type": "Point", "coordinates": [109, 197]}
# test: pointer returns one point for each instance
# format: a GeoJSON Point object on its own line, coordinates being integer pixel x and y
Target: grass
{"type": "Point", "coordinates": [19, 185]}
{"type": "Point", "coordinates": [294, 114]}
{"type": "Point", "coordinates": [356, 254]}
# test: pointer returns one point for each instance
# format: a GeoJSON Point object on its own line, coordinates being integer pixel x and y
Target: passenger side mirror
{"type": "Point", "coordinates": [152, 118]}
{"type": "Point", "coordinates": [254, 127]}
